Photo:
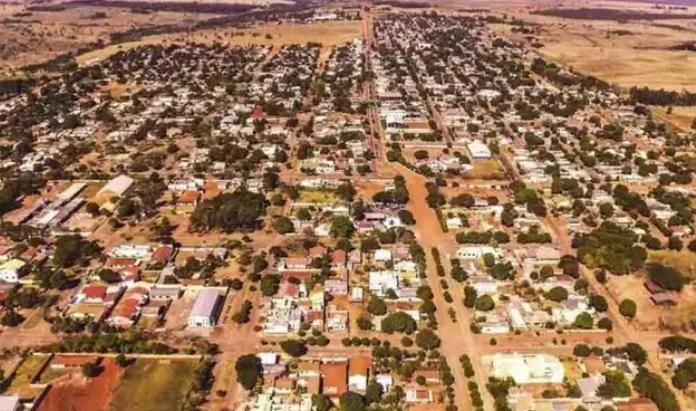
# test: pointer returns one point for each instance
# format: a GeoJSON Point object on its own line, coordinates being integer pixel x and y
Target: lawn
{"type": "Point", "coordinates": [154, 385]}
{"type": "Point", "coordinates": [317, 197]}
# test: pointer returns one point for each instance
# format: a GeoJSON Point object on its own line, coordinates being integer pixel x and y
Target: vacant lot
{"type": "Point", "coordinates": [74, 392]}
{"type": "Point", "coordinates": [25, 373]}
{"type": "Point", "coordinates": [153, 385]}
{"type": "Point", "coordinates": [682, 117]}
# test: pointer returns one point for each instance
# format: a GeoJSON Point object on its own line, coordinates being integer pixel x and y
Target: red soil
{"type": "Point", "coordinates": [77, 393]}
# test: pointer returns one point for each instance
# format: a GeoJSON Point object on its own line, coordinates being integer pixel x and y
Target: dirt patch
{"type": "Point", "coordinates": [75, 392]}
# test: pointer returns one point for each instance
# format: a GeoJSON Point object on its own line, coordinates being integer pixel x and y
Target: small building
{"type": "Point", "coordinates": [479, 150]}
{"type": "Point", "coordinates": [206, 309]}
{"type": "Point", "coordinates": [12, 271]}
{"type": "Point", "coordinates": [9, 403]}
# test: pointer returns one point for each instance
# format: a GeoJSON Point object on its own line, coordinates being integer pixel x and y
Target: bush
{"type": "Point", "coordinates": [582, 350]}
{"type": "Point", "coordinates": [666, 277]}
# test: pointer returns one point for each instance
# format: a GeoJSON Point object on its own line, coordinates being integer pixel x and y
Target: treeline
{"type": "Point", "coordinates": [402, 4]}
{"type": "Point", "coordinates": [553, 73]}
{"type": "Point", "coordinates": [662, 97]}
{"type": "Point", "coordinates": [610, 14]}
{"type": "Point", "coordinates": [60, 63]}
{"type": "Point", "coordinates": [171, 6]}
{"type": "Point", "coordinates": [12, 87]}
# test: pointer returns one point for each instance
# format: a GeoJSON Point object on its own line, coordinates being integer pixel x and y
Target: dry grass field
{"type": "Point", "coordinates": [682, 117]}
{"type": "Point", "coordinates": [37, 36]}
{"type": "Point", "coordinates": [622, 53]}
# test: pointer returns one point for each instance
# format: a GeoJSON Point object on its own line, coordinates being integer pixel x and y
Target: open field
{"type": "Point", "coordinates": [77, 393]}
{"type": "Point", "coordinates": [22, 378]}
{"type": "Point", "coordinates": [36, 36]}
{"type": "Point", "coordinates": [153, 385]}
{"type": "Point", "coordinates": [682, 117]}
{"type": "Point", "coordinates": [636, 52]}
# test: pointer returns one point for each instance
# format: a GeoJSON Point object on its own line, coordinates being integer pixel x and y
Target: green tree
{"type": "Point", "coordinates": [294, 348]}
{"type": "Point", "coordinates": [557, 294]}
{"type": "Point", "coordinates": [583, 321]}
{"type": "Point", "coordinates": [377, 306]}
{"type": "Point", "coordinates": [427, 340]}
{"type": "Point", "coordinates": [341, 227]}
{"type": "Point", "coordinates": [270, 284]}
{"type": "Point", "coordinates": [249, 370]}
{"type": "Point", "coordinates": [484, 303]}
{"type": "Point", "coordinates": [628, 308]}
{"type": "Point", "coordinates": [352, 401]}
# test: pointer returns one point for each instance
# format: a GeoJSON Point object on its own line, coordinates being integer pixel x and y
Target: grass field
{"type": "Point", "coordinates": [682, 117]}
{"type": "Point", "coordinates": [622, 53]}
{"type": "Point", "coordinates": [20, 383]}
{"type": "Point", "coordinates": [317, 197]}
{"type": "Point", "coordinates": [151, 385]}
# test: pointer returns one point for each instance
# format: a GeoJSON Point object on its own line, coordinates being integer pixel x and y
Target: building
{"type": "Point", "coordinates": [528, 368]}
{"type": "Point", "coordinates": [479, 150]}
{"type": "Point", "coordinates": [206, 309]}
{"type": "Point", "coordinates": [9, 403]}
{"type": "Point", "coordinates": [11, 271]}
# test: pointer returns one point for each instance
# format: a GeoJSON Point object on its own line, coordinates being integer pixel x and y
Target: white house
{"type": "Point", "coordinates": [12, 270]}
{"type": "Point", "coordinates": [528, 368]}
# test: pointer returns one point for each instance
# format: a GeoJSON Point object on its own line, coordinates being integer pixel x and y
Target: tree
{"type": "Point", "coordinates": [92, 209]}
{"type": "Point", "coordinates": [249, 370]}
{"type": "Point", "coordinates": [295, 348]}
{"type": "Point", "coordinates": [346, 191]}
{"type": "Point", "coordinates": [582, 350]}
{"type": "Point", "coordinates": [606, 210]}
{"type": "Point", "coordinates": [91, 370]}
{"type": "Point", "coordinates": [599, 303]}
{"type": "Point", "coordinates": [557, 294]}
{"type": "Point", "coordinates": [484, 303]}
{"type": "Point", "coordinates": [352, 401]}
{"type": "Point", "coordinates": [321, 402]}
{"type": "Point", "coordinates": [373, 393]}
{"type": "Point", "coordinates": [605, 324]}
{"type": "Point", "coordinates": [636, 353]}
{"type": "Point", "coordinates": [284, 225]}
{"type": "Point", "coordinates": [583, 321]}
{"type": "Point", "coordinates": [377, 306]}
{"type": "Point", "coordinates": [666, 277]}
{"type": "Point", "coordinates": [398, 322]}
{"type": "Point", "coordinates": [615, 386]}
{"type": "Point", "coordinates": [341, 227]}
{"type": "Point", "coordinates": [269, 285]}
{"type": "Point", "coordinates": [121, 360]}
{"type": "Point", "coordinates": [427, 340]}
{"type": "Point", "coordinates": [11, 318]}
{"type": "Point", "coordinates": [109, 276]}
{"type": "Point", "coordinates": [628, 308]}
{"type": "Point", "coordinates": [229, 212]}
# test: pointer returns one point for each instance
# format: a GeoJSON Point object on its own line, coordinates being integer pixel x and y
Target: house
{"type": "Point", "coordinates": [12, 271]}
{"type": "Point", "coordinates": [419, 395]}
{"type": "Point", "coordinates": [358, 373]}
{"type": "Point", "coordinates": [162, 255]}
{"type": "Point", "coordinates": [206, 309]}
{"type": "Point", "coordinates": [335, 378]}
{"type": "Point", "coordinates": [165, 293]}
{"type": "Point", "coordinates": [336, 287]}
{"type": "Point", "coordinates": [382, 281]}
{"type": "Point", "coordinates": [116, 187]}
